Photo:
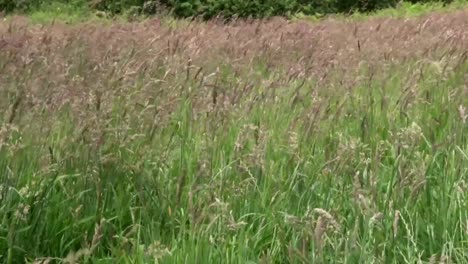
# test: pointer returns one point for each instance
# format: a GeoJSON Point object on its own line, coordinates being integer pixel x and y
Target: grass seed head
{"type": "Point", "coordinates": [157, 251]}
{"type": "Point", "coordinates": [410, 136]}
{"type": "Point", "coordinates": [320, 229]}
{"type": "Point", "coordinates": [376, 218]}
{"type": "Point", "coordinates": [462, 113]}
{"type": "Point", "coordinates": [396, 221]}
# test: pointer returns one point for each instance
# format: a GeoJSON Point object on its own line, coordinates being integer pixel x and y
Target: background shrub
{"type": "Point", "coordinates": [212, 8]}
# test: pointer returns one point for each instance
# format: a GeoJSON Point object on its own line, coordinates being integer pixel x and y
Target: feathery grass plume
{"type": "Point", "coordinates": [323, 223]}
{"type": "Point", "coordinates": [76, 212]}
{"type": "Point", "coordinates": [196, 213]}
{"type": "Point", "coordinates": [7, 131]}
{"type": "Point", "coordinates": [319, 231]}
{"type": "Point", "coordinates": [357, 187]}
{"type": "Point", "coordinates": [3, 136]}
{"type": "Point", "coordinates": [293, 142]}
{"type": "Point", "coordinates": [75, 257]}
{"type": "Point", "coordinates": [376, 218]}
{"type": "Point", "coordinates": [157, 251]}
{"type": "Point", "coordinates": [232, 224]}
{"type": "Point", "coordinates": [293, 220]}
{"type": "Point", "coordinates": [416, 188]}
{"type": "Point", "coordinates": [98, 233]}
{"type": "Point", "coordinates": [328, 217]}
{"type": "Point", "coordinates": [396, 221]}
{"type": "Point", "coordinates": [22, 211]}
{"type": "Point", "coordinates": [466, 227]}
{"type": "Point", "coordinates": [410, 136]}
{"type": "Point", "coordinates": [416, 176]}
{"type": "Point", "coordinates": [351, 153]}
{"type": "Point", "coordinates": [43, 260]}
{"type": "Point", "coordinates": [444, 259]}
{"type": "Point", "coordinates": [220, 215]}
{"type": "Point", "coordinates": [462, 113]}
{"type": "Point", "coordinates": [359, 196]}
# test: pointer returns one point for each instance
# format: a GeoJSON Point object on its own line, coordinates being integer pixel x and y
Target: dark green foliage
{"type": "Point", "coordinates": [18, 5]}
{"type": "Point", "coordinates": [213, 8]}
{"type": "Point", "coordinates": [364, 5]}
{"type": "Point", "coordinates": [117, 7]}
{"type": "Point", "coordinates": [9, 6]}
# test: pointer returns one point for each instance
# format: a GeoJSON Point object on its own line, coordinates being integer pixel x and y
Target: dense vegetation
{"type": "Point", "coordinates": [267, 141]}
{"type": "Point", "coordinates": [211, 8]}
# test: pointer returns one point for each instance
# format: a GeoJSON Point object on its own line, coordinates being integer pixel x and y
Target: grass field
{"type": "Point", "coordinates": [254, 142]}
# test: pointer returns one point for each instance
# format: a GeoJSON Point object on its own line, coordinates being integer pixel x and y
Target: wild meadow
{"type": "Point", "coordinates": [253, 141]}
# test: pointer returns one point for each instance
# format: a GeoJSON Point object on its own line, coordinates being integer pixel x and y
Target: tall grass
{"type": "Point", "coordinates": [261, 142]}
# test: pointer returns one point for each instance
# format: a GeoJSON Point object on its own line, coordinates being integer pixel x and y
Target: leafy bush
{"type": "Point", "coordinates": [265, 8]}
{"type": "Point", "coordinates": [366, 5]}
{"type": "Point", "coordinates": [29, 5]}
{"type": "Point", "coordinates": [212, 8]}
{"type": "Point", "coordinates": [11, 5]}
